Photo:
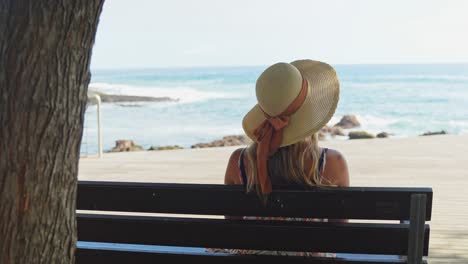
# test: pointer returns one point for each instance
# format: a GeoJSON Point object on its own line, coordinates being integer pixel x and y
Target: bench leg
{"type": "Point", "coordinates": [416, 232]}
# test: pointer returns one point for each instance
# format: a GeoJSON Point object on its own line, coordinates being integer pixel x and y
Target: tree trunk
{"type": "Point", "coordinates": [45, 51]}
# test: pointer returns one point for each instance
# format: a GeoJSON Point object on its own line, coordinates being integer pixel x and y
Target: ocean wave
{"type": "Point", "coordinates": [407, 77]}
{"type": "Point", "coordinates": [375, 124]}
{"type": "Point", "coordinates": [184, 94]}
{"type": "Point", "coordinates": [367, 120]}
{"type": "Point", "coordinates": [393, 85]}
{"type": "Point", "coordinates": [404, 125]}
{"type": "Point", "coordinates": [377, 121]}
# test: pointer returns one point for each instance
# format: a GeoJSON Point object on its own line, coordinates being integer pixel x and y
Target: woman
{"type": "Point", "coordinates": [294, 101]}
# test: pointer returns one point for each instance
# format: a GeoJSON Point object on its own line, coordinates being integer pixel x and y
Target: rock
{"type": "Point", "coordinates": [333, 131]}
{"type": "Point", "coordinates": [325, 130]}
{"type": "Point", "coordinates": [359, 135]}
{"type": "Point", "coordinates": [124, 145]}
{"type": "Point", "coordinates": [432, 133]}
{"type": "Point", "coordinates": [234, 140]}
{"type": "Point", "coordinates": [165, 147]}
{"type": "Point", "coordinates": [321, 135]}
{"type": "Point", "coordinates": [348, 121]}
{"type": "Point", "coordinates": [383, 135]}
{"type": "Point", "coordinates": [337, 131]}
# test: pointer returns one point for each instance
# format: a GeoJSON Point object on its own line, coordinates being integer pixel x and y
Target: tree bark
{"type": "Point", "coordinates": [45, 51]}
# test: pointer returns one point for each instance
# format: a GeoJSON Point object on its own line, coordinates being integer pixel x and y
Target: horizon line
{"type": "Point", "coordinates": [264, 65]}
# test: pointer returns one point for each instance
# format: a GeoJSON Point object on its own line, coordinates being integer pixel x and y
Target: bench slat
{"type": "Point", "coordinates": [288, 201]}
{"type": "Point", "coordinates": [90, 256]}
{"type": "Point", "coordinates": [391, 239]}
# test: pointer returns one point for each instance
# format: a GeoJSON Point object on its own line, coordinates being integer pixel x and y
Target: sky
{"type": "Point", "coordinates": [191, 33]}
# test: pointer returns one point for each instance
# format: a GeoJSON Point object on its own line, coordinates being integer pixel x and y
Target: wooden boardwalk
{"type": "Point", "coordinates": [440, 162]}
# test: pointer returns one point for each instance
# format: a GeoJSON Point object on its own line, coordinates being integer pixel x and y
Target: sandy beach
{"type": "Point", "coordinates": [440, 162]}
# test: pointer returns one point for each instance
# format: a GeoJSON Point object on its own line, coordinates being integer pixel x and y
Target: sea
{"type": "Point", "coordinates": [404, 100]}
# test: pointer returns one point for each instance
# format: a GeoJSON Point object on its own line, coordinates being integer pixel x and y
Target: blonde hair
{"type": "Point", "coordinates": [288, 164]}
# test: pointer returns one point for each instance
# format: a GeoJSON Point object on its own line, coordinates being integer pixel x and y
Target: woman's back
{"type": "Point", "coordinates": [332, 169]}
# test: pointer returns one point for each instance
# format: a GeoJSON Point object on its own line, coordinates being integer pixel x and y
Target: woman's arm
{"type": "Point", "coordinates": [232, 175]}
{"type": "Point", "coordinates": [336, 171]}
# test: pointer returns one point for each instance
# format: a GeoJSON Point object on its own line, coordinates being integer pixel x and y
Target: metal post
{"type": "Point", "coordinates": [416, 231]}
{"type": "Point", "coordinates": [98, 106]}
{"type": "Point", "coordinates": [98, 99]}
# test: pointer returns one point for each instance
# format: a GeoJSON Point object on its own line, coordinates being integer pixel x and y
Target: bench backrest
{"type": "Point", "coordinates": [363, 203]}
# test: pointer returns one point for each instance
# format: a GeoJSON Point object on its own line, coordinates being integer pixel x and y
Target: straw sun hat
{"type": "Point", "coordinates": [280, 85]}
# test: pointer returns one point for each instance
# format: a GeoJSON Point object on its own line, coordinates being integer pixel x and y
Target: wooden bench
{"type": "Point", "coordinates": [183, 239]}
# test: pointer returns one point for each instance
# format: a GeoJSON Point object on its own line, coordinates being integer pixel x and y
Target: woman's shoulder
{"type": "Point", "coordinates": [336, 168]}
{"type": "Point", "coordinates": [235, 155]}
{"type": "Point", "coordinates": [334, 155]}
{"type": "Point", "coordinates": [232, 170]}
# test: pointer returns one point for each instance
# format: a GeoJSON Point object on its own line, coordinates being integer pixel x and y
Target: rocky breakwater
{"type": "Point", "coordinates": [124, 145]}
{"type": "Point", "coordinates": [434, 133]}
{"type": "Point", "coordinates": [346, 122]}
{"type": "Point", "coordinates": [332, 131]}
{"type": "Point", "coordinates": [171, 147]}
{"type": "Point", "coordinates": [384, 135]}
{"type": "Point", "coordinates": [233, 140]}
{"type": "Point", "coordinates": [360, 135]}
{"type": "Point", "coordinates": [113, 98]}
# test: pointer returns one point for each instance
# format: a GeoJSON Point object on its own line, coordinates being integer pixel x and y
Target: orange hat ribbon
{"type": "Point", "coordinates": [270, 135]}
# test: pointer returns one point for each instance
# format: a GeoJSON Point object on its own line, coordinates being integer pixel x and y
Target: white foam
{"type": "Point", "coordinates": [184, 94]}
{"type": "Point", "coordinates": [335, 119]}
{"type": "Point", "coordinates": [375, 121]}
{"type": "Point", "coordinates": [371, 123]}
{"type": "Point", "coordinates": [367, 120]}
{"type": "Point", "coordinates": [423, 77]}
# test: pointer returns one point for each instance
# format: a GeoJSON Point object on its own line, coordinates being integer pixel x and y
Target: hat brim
{"type": "Point", "coordinates": [317, 109]}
